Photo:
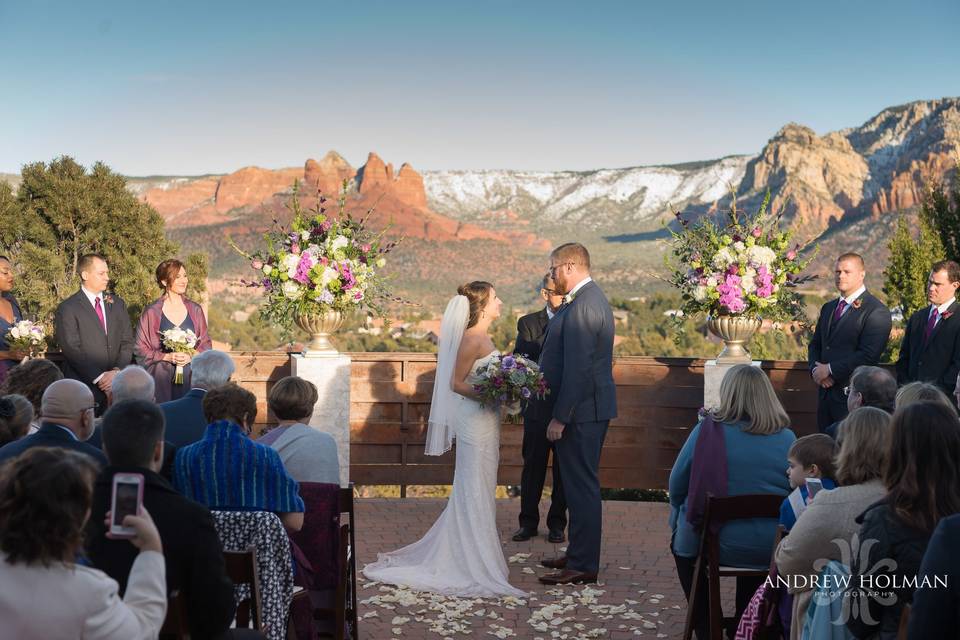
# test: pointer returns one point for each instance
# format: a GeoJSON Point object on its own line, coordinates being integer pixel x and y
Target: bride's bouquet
{"type": "Point", "coordinates": [179, 341]}
{"type": "Point", "coordinates": [509, 379]}
{"type": "Point", "coordinates": [26, 336]}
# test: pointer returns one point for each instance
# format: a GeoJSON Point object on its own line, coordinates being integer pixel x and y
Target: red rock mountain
{"type": "Point", "coordinates": [396, 198]}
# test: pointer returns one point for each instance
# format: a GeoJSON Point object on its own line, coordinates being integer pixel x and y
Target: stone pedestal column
{"type": "Point", "coordinates": [331, 414]}
{"type": "Point", "coordinates": [712, 376]}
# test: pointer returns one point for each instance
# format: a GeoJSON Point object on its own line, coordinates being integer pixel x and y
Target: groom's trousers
{"type": "Point", "coordinates": [578, 451]}
{"type": "Point", "coordinates": [536, 451]}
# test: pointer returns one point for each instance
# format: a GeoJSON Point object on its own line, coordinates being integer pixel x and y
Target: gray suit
{"type": "Point", "coordinates": [577, 362]}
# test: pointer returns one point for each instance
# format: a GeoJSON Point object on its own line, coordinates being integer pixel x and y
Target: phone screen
{"type": "Point", "coordinates": [813, 486]}
{"type": "Point", "coordinates": [126, 502]}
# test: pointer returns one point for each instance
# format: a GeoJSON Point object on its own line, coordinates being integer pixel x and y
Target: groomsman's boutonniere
{"type": "Point", "coordinates": [857, 303]}
{"type": "Point", "coordinates": [107, 298]}
{"type": "Point", "coordinates": [946, 315]}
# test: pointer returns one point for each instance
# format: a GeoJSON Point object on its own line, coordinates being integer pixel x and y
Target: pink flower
{"type": "Point", "coordinates": [257, 264]}
{"type": "Point", "coordinates": [303, 268]}
{"type": "Point", "coordinates": [791, 255]}
{"type": "Point", "coordinates": [365, 248]}
{"type": "Point", "coordinates": [295, 248]}
{"type": "Point", "coordinates": [757, 232]}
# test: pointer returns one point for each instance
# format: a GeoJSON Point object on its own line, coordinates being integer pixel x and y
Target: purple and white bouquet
{"type": "Point", "coordinates": [27, 336]}
{"type": "Point", "coordinates": [738, 265]}
{"type": "Point", "coordinates": [509, 379]}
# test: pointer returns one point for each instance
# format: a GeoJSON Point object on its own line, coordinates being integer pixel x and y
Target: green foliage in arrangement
{"type": "Point", "coordinates": [61, 211]}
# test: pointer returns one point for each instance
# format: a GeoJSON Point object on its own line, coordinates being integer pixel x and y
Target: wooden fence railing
{"type": "Point", "coordinates": [390, 395]}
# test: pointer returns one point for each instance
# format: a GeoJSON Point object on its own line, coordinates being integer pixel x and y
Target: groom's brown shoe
{"type": "Point", "coordinates": [569, 576]}
{"type": "Point", "coordinates": [554, 563]}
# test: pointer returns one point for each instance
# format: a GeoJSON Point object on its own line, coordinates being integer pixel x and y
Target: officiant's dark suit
{"type": "Point", "coordinates": [933, 358]}
{"type": "Point", "coordinates": [536, 449]}
{"type": "Point", "coordinates": [857, 337]}
{"type": "Point", "coordinates": [88, 349]}
{"type": "Point", "coordinates": [577, 362]}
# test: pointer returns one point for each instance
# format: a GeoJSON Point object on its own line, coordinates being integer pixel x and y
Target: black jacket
{"type": "Point", "coordinates": [531, 329]}
{"type": "Point", "coordinates": [51, 435]}
{"type": "Point", "coordinates": [857, 338]}
{"type": "Point", "coordinates": [936, 609]}
{"type": "Point", "coordinates": [185, 421]}
{"type": "Point", "coordinates": [87, 350]}
{"type": "Point", "coordinates": [939, 360]}
{"type": "Point", "coordinates": [191, 550]}
{"type": "Point", "coordinates": [895, 541]}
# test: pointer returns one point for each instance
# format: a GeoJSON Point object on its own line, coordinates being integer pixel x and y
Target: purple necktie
{"type": "Point", "coordinates": [839, 310]}
{"type": "Point", "coordinates": [931, 323]}
{"type": "Point", "coordinates": [99, 310]}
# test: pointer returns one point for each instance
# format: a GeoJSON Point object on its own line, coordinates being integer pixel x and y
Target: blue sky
{"type": "Point", "coordinates": [196, 87]}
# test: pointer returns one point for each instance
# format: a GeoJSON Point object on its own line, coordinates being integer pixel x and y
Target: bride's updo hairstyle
{"type": "Point", "coordinates": [478, 294]}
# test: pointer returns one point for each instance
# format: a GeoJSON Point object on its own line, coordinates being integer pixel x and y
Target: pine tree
{"type": "Point", "coordinates": [941, 207]}
{"type": "Point", "coordinates": [905, 278]}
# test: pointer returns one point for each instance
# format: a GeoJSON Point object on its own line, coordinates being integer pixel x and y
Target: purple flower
{"type": "Point", "coordinates": [525, 392]}
{"type": "Point", "coordinates": [509, 362]}
{"type": "Point", "coordinates": [303, 268]}
{"type": "Point", "coordinates": [326, 297]}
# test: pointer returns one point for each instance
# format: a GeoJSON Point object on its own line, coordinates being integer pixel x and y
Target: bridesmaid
{"type": "Point", "coordinates": [172, 310]}
{"type": "Point", "coordinates": [9, 315]}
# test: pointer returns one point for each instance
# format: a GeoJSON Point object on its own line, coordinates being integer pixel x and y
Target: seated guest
{"type": "Point", "coordinates": [869, 387]}
{"type": "Point", "coordinates": [744, 441]}
{"type": "Point", "coordinates": [133, 443]}
{"type": "Point", "coordinates": [30, 380]}
{"type": "Point", "coordinates": [16, 414]}
{"type": "Point", "coordinates": [832, 514]}
{"type": "Point", "coordinates": [812, 456]}
{"type": "Point", "coordinates": [308, 455]}
{"type": "Point", "coordinates": [185, 420]}
{"type": "Point", "coordinates": [936, 609]}
{"type": "Point", "coordinates": [922, 479]}
{"type": "Point", "coordinates": [45, 497]}
{"type": "Point", "coordinates": [130, 383]}
{"type": "Point", "coordinates": [66, 415]}
{"type": "Point", "coordinates": [228, 471]}
{"type": "Point", "coordinates": [922, 392]}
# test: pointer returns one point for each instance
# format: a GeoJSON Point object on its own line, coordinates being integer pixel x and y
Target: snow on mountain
{"type": "Point", "coordinates": [606, 196]}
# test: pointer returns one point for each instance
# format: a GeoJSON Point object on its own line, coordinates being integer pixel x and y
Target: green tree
{"type": "Point", "coordinates": [62, 211]}
{"type": "Point", "coordinates": [941, 207]}
{"type": "Point", "coordinates": [905, 278]}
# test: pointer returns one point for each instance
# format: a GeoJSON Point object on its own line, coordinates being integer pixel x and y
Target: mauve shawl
{"type": "Point", "coordinates": [708, 470]}
{"type": "Point", "coordinates": [149, 351]}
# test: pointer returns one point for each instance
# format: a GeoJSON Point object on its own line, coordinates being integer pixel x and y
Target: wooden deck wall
{"type": "Point", "coordinates": [658, 400]}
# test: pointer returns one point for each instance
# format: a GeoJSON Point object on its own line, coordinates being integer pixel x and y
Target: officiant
{"type": "Point", "coordinates": [531, 330]}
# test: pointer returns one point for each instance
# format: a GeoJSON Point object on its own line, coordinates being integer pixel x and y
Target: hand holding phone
{"type": "Point", "coordinates": [126, 500]}
{"type": "Point", "coordinates": [814, 485]}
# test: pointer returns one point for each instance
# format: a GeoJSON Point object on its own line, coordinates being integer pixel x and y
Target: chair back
{"type": "Point", "coordinates": [241, 567]}
{"type": "Point", "coordinates": [175, 624]}
{"type": "Point", "coordinates": [240, 530]}
{"type": "Point", "coordinates": [318, 538]}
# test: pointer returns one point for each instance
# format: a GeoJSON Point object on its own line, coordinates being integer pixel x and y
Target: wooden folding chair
{"type": "Point", "coordinates": [242, 569]}
{"type": "Point", "coordinates": [175, 625]}
{"type": "Point", "coordinates": [720, 511]}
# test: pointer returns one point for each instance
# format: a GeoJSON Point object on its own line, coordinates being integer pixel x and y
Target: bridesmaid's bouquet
{"type": "Point", "coordinates": [26, 336]}
{"type": "Point", "coordinates": [179, 341]}
{"type": "Point", "coordinates": [509, 379]}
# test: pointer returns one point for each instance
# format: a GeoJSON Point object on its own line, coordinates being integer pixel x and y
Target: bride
{"type": "Point", "coordinates": [461, 554]}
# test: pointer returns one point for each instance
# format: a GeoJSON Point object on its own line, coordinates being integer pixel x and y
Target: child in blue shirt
{"type": "Point", "coordinates": [809, 457]}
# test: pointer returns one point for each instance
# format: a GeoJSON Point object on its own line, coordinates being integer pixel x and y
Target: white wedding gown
{"type": "Point", "coordinates": [461, 554]}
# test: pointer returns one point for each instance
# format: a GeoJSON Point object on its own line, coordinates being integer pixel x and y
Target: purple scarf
{"type": "Point", "coordinates": [708, 471]}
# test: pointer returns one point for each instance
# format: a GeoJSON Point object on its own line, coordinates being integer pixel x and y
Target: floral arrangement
{"type": "Point", "coordinates": [741, 265]}
{"type": "Point", "coordinates": [26, 336]}
{"type": "Point", "coordinates": [321, 263]}
{"type": "Point", "coordinates": [509, 379]}
{"type": "Point", "coordinates": [178, 340]}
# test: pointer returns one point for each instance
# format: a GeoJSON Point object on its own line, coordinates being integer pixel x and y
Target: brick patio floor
{"type": "Point", "coordinates": [638, 594]}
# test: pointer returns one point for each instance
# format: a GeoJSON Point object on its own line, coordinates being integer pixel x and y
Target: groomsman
{"type": "Point", "coordinates": [931, 344]}
{"type": "Point", "coordinates": [531, 329]}
{"type": "Point", "coordinates": [852, 331]}
{"type": "Point", "coordinates": [93, 331]}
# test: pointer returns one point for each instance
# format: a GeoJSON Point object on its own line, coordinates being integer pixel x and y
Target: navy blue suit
{"type": "Point", "coordinates": [938, 359]}
{"type": "Point", "coordinates": [51, 435]}
{"type": "Point", "coordinates": [857, 338]}
{"type": "Point", "coordinates": [184, 418]}
{"type": "Point", "coordinates": [577, 362]}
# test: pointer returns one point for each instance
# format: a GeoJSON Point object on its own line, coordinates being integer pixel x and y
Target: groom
{"type": "Point", "coordinates": [577, 362]}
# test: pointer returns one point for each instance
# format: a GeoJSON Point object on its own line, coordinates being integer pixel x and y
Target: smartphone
{"type": "Point", "coordinates": [127, 500]}
{"type": "Point", "coordinates": [813, 487]}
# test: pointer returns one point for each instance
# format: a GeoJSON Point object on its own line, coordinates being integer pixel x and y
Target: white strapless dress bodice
{"type": "Point", "coordinates": [461, 554]}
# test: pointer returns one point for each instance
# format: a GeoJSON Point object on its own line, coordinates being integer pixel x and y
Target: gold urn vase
{"type": "Point", "coordinates": [735, 331]}
{"type": "Point", "coordinates": [320, 326]}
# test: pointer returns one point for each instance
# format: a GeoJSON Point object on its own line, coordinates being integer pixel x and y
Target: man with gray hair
{"type": "Point", "coordinates": [184, 417]}
{"type": "Point", "coordinates": [869, 387]}
{"type": "Point", "coordinates": [133, 383]}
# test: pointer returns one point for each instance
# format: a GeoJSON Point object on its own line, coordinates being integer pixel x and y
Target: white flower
{"type": "Point", "coordinates": [305, 235]}
{"type": "Point", "coordinates": [267, 269]}
{"type": "Point", "coordinates": [739, 246]}
{"type": "Point", "coordinates": [713, 281]}
{"type": "Point", "coordinates": [700, 293]}
{"type": "Point", "coordinates": [723, 258]}
{"type": "Point", "coordinates": [292, 290]}
{"type": "Point", "coordinates": [339, 243]}
{"type": "Point", "coordinates": [761, 255]}
{"type": "Point", "coordinates": [329, 275]}
{"type": "Point", "coordinates": [290, 263]}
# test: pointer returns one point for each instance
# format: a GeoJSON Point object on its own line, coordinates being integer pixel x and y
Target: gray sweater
{"type": "Point", "coordinates": [831, 516]}
{"type": "Point", "coordinates": [308, 455]}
